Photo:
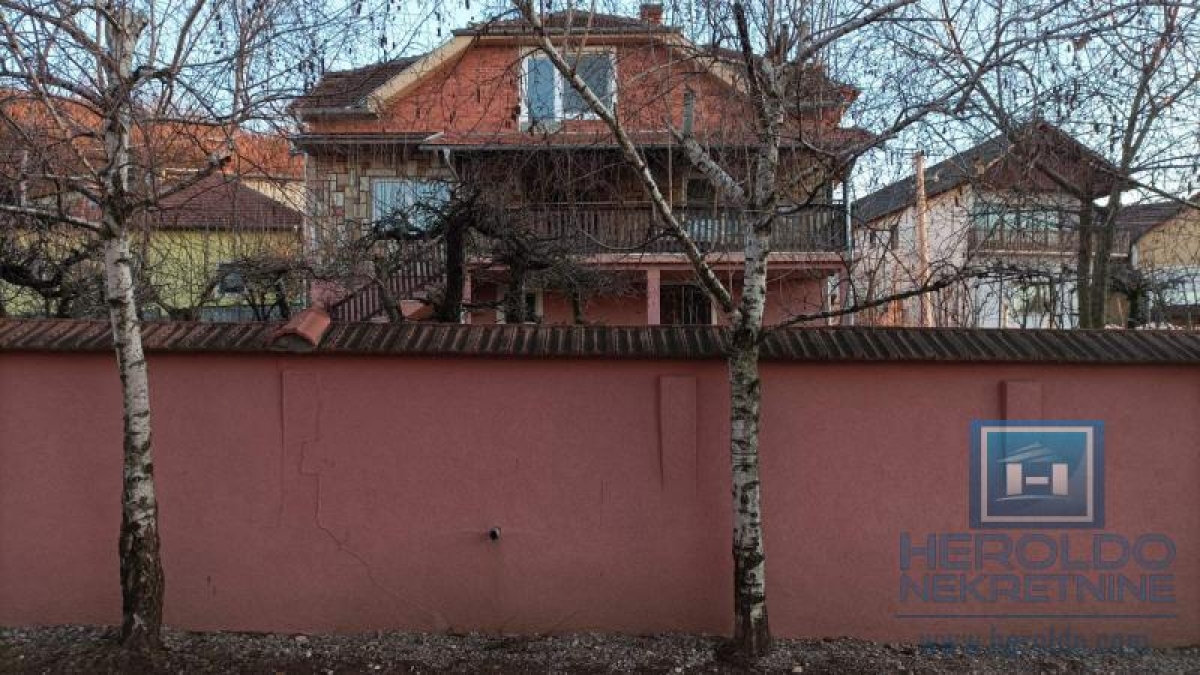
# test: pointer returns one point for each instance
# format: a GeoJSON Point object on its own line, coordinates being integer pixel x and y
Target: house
{"type": "Point", "coordinates": [1166, 257]}
{"type": "Point", "coordinates": [486, 114]}
{"type": "Point", "coordinates": [217, 250]}
{"type": "Point", "coordinates": [221, 250]}
{"type": "Point", "coordinates": [1005, 213]}
{"type": "Point", "coordinates": [214, 250]}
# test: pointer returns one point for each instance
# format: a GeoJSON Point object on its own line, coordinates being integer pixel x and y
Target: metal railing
{"type": "Point", "coordinates": [591, 229]}
{"type": "Point", "coordinates": [1042, 240]}
{"type": "Point", "coordinates": [614, 228]}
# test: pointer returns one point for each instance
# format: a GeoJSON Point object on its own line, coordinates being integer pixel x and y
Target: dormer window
{"type": "Point", "coordinates": [548, 97]}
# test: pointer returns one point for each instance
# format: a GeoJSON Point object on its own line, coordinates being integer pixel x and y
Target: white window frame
{"type": "Point", "coordinates": [375, 216]}
{"type": "Point", "coordinates": [560, 85]}
{"type": "Point", "coordinates": [411, 187]}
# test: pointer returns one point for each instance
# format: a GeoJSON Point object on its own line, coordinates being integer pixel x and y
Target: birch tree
{"type": "Point", "coordinates": [110, 92]}
{"type": "Point", "coordinates": [772, 43]}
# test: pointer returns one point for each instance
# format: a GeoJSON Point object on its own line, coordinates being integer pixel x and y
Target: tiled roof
{"type": "Point", "coordinates": [348, 89]}
{"type": "Point", "coordinates": [1139, 219]}
{"type": "Point", "coordinates": [222, 202]}
{"type": "Point", "coordinates": [578, 21]}
{"type": "Point", "coordinates": [939, 178]}
{"type": "Point", "coordinates": [861, 344]}
{"type": "Point", "coordinates": [968, 165]}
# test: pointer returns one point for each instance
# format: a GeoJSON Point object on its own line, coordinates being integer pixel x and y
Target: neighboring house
{"type": "Point", "coordinates": [187, 248]}
{"type": "Point", "coordinates": [1166, 258]}
{"type": "Point", "coordinates": [217, 250]}
{"type": "Point", "coordinates": [1001, 213]}
{"type": "Point", "coordinates": [487, 114]}
{"type": "Point", "coordinates": [221, 250]}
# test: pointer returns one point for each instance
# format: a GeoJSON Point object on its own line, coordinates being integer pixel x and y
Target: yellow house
{"type": "Point", "coordinates": [1166, 253]}
{"type": "Point", "coordinates": [221, 250]}
{"type": "Point", "coordinates": [218, 250]}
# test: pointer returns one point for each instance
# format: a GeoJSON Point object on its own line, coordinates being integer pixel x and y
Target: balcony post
{"type": "Point", "coordinates": [466, 296]}
{"type": "Point", "coordinates": [653, 297]}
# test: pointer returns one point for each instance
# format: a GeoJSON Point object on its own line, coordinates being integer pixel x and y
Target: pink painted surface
{"type": "Point", "coordinates": [329, 493]}
{"type": "Point", "coordinates": [789, 295]}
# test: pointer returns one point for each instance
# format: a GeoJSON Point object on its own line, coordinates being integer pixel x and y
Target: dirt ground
{"type": "Point", "coordinates": [87, 649]}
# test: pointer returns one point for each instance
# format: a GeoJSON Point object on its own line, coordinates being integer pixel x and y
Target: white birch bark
{"type": "Point", "coordinates": [751, 632]}
{"type": "Point", "coordinates": [141, 566]}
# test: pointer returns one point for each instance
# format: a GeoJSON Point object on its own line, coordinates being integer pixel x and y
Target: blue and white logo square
{"type": "Point", "coordinates": [1037, 474]}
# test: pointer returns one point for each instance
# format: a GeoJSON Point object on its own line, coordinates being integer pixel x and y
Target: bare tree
{"type": "Point", "coordinates": [771, 59]}
{"type": "Point", "coordinates": [1121, 77]}
{"type": "Point", "coordinates": [774, 44]}
{"type": "Point", "coordinates": [113, 92]}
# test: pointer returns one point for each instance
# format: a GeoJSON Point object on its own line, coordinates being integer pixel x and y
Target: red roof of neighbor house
{"type": "Point", "coordinates": [222, 202]}
{"type": "Point", "coordinates": [348, 89]}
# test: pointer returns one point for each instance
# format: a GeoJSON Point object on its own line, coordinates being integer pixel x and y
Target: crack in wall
{"type": "Point", "coordinates": [303, 439]}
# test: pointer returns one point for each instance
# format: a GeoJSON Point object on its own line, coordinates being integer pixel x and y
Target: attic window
{"type": "Point", "coordinates": [548, 97]}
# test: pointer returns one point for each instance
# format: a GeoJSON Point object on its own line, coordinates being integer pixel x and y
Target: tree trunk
{"type": "Point", "coordinates": [141, 568]}
{"type": "Point", "coordinates": [1083, 283]}
{"type": "Point", "coordinates": [450, 309]}
{"type": "Point", "coordinates": [1101, 269]}
{"type": "Point", "coordinates": [752, 636]}
{"type": "Point", "coordinates": [577, 314]}
{"type": "Point", "coordinates": [513, 304]}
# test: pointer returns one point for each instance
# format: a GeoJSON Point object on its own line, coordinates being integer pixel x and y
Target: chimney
{"type": "Point", "coordinates": [651, 12]}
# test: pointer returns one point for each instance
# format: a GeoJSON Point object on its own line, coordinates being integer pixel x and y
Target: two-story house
{"type": "Point", "coordinates": [1001, 217]}
{"type": "Point", "coordinates": [1165, 256]}
{"type": "Point", "coordinates": [487, 114]}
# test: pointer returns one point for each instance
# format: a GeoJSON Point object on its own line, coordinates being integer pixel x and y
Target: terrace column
{"type": "Point", "coordinates": [653, 297]}
{"type": "Point", "coordinates": [466, 297]}
{"type": "Point", "coordinates": [844, 300]}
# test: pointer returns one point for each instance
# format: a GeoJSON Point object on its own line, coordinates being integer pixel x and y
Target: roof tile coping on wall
{"type": "Point", "coordinates": [302, 333]}
{"type": "Point", "coordinates": [823, 344]}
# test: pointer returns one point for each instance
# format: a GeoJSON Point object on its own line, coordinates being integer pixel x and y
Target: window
{"type": "Point", "coordinates": [550, 98]}
{"type": "Point", "coordinates": [230, 278]}
{"type": "Point", "coordinates": [407, 201]}
{"type": "Point", "coordinates": [700, 192]}
{"type": "Point", "coordinates": [684, 305]}
{"type": "Point", "coordinates": [533, 308]}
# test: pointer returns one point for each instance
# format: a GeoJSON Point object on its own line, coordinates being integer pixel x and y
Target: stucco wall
{"type": "Point", "coordinates": [1174, 244]}
{"type": "Point", "coordinates": [355, 493]}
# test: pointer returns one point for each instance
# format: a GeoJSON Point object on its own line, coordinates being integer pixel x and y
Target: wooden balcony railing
{"type": "Point", "coordinates": [1043, 240]}
{"type": "Point", "coordinates": [616, 228]}
{"type": "Point", "coordinates": [422, 264]}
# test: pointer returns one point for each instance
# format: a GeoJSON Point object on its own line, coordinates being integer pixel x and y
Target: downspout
{"type": "Point", "coordinates": [922, 241]}
{"type": "Point", "coordinates": [848, 320]}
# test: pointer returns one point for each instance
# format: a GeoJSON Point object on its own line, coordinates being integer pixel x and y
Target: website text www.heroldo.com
{"type": "Point", "coordinates": [1053, 639]}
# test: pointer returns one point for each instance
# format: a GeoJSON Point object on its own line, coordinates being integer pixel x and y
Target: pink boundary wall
{"type": "Point", "coordinates": [327, 493]}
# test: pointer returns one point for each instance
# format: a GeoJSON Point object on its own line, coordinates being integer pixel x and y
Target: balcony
{"type": "Point", "coordinates": [1041, 240]}
{"type": "Point", "coordinates": [624, 228]}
